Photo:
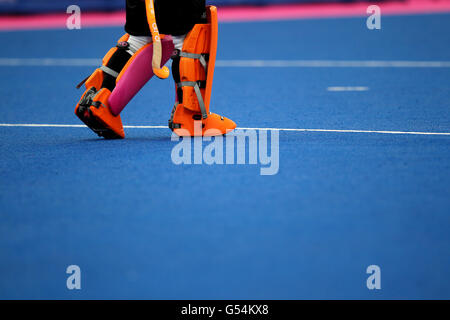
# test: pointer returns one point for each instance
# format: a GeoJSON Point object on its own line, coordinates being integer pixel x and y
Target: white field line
{"type": "Point", "coordinates": [48, 62]}
{"type": "Point", "coordinates": [33, 125]}
{"type": "Point", "coordinates": [340, 89]}
{"type": "Point", "coordinates": [57, 62]}
{"type": "Point", "coordinates": [331, 63]}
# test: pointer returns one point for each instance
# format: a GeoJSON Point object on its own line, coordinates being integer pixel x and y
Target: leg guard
{"type": "Point", "coordinates": [136, 73]}
{"type": "Point", "coordinates": [193, 71]}
{"type": "Point", "coordinates": [93, 108]}
{"type": "Point", "coordinates": [110, 88]}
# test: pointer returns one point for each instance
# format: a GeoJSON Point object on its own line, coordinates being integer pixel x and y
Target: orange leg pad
{"type": "Point", "coordinates": [191, 116]}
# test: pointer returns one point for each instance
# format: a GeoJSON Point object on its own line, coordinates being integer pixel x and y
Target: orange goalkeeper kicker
{"type": "Point", "coordinates": [162, 73]}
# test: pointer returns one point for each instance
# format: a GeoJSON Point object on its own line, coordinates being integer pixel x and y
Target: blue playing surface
{"type": "Point", "coordinates": [142, 227]}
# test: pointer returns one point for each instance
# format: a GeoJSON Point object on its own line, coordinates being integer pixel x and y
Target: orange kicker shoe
{"type": "Point", "coordinates": [93, 110]}
{"type": "Point", "coordinates": [185, 122]}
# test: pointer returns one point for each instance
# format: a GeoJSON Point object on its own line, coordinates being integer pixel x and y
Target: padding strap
{"type": "Point", "coordinates": [200, 57]}
{"type": "Point", "coordinates": [106, 70]}
{"type": "Point", "coordinates": [109, 71]}
{"type": "Point", "coordinates": [196, 87]}
{"type": "Point", "coordinates": [131, 52]}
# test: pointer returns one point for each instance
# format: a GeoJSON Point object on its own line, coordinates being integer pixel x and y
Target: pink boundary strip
{"type": "Point", "coordinates": [237, 14]}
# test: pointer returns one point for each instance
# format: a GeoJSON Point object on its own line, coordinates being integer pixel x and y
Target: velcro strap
{"type": "Point", "coordinates": [173, 125]}
{"type": "Point", "coordinates": [198, 93]}
{"type": "Point", "coordinates": [201, 84]}
{"type": "Point", "coordinates": [109, 71]}
{"type": "Point", "coordinates": [199, 57]}
{"type": "Point", "coordinates": [131, 51]}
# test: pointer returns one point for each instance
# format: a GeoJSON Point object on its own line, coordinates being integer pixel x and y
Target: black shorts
{"type": "Point", "coordinates": [174, 17]}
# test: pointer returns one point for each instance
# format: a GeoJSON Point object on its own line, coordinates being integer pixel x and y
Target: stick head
{"type": "Point", "coordinates": [162, 73]}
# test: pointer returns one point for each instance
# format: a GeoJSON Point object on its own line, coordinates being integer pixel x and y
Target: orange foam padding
{"type": "Point", "coordinates": [214, 125]}
{"type": "Point", "coordinates": [202, 39]}
{"type": "Point", "coordinates": [125, 37]}
{"type": "Point", "coordinates": [97, 116]}
{"type": "Point", "coordinates": [95, 80]}
{"type": "Point", "coordinates": [213, 21]}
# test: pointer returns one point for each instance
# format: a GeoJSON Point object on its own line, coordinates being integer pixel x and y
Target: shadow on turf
{"type": "Point", "coordinates": [135, 139]}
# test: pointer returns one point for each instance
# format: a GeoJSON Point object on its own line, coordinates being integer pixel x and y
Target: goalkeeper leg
{"type": "Point", "coordinates": [125, 70]}
{"type": "Point", "coordinates": [193, 71]}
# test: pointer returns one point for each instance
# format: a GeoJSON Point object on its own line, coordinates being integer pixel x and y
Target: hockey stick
{"type": "Point", "coordinates": [162, 73]}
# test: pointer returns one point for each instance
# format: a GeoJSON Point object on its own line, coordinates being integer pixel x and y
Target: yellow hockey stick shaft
{"type": "Point", "coordinates": [162, 73]}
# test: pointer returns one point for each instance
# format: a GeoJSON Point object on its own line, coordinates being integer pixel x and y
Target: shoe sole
{"type": "Point", "coordinates": [95, 124]}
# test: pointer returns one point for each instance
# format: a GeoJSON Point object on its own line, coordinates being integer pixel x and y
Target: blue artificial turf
{"type": "Point", "coordinates": [141, 227]}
